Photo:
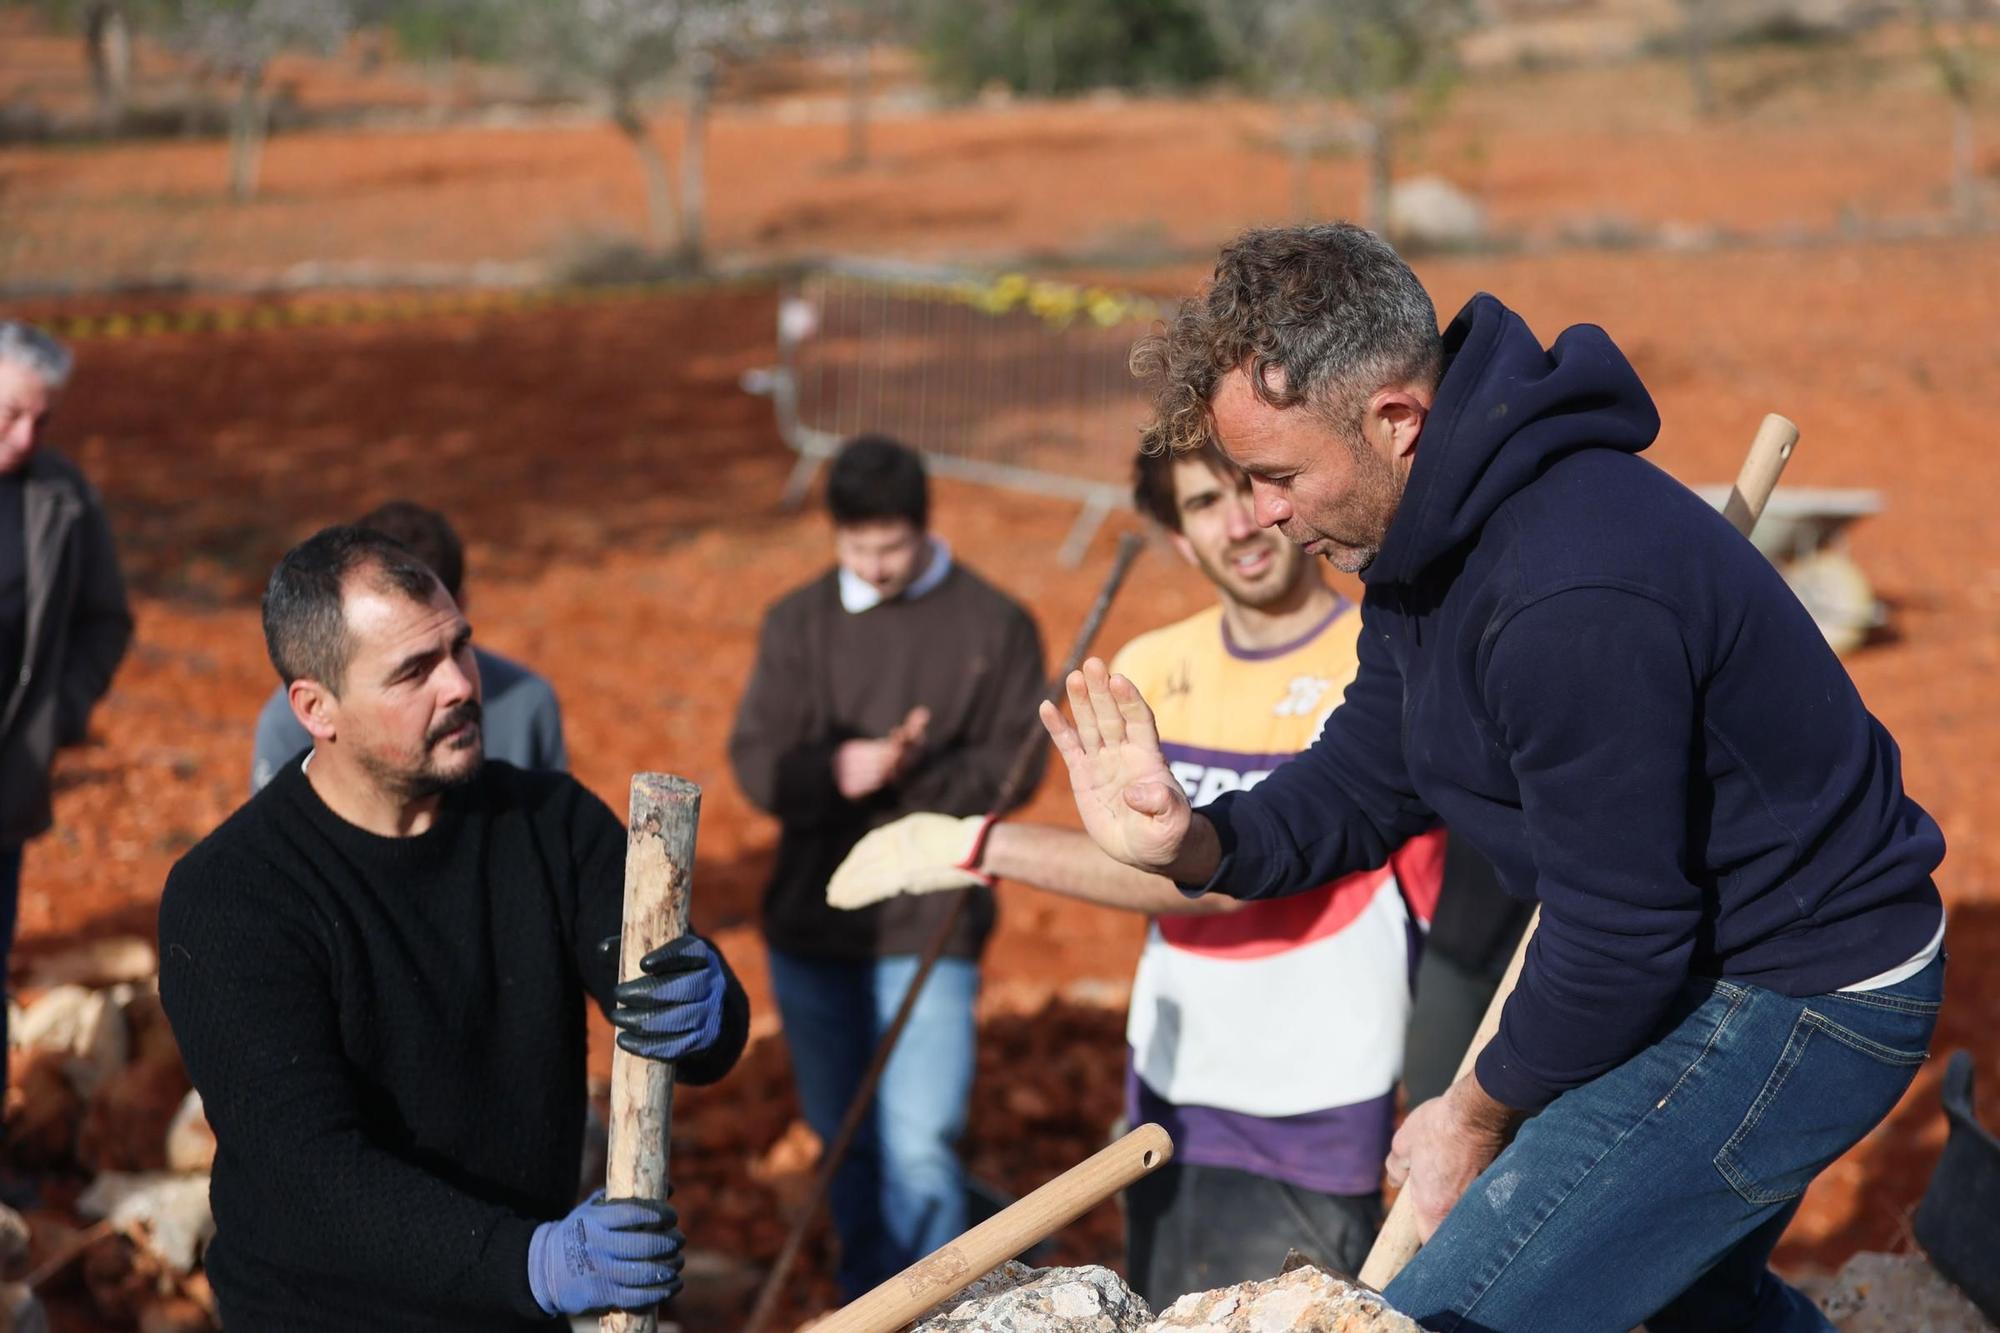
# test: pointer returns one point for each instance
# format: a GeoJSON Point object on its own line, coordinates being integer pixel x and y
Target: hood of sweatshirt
{"type": "Point", "coordinates": [1506, 410]}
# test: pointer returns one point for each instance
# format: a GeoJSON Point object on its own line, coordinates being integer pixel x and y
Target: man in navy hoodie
{"type": "Point", "coordinates": [1586, 672]}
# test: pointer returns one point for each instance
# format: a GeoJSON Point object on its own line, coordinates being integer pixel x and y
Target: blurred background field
{"type": "Point", "coordinates": [434, 253]}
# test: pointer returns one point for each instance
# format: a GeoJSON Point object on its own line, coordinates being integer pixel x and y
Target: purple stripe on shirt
{"type": "Point", "coordinates": [1336, 1151]}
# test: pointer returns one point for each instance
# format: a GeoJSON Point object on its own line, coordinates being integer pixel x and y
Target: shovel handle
{"type": "Point", "coordinates": [1770, 449]}
{"type": "Point", "coordinates": [947, 1271]}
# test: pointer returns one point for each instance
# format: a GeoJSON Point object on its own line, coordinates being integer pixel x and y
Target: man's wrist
{"type": "Point", "coordinates": [1200, 854]}
{"type": "Point", "coordinates": [1480, 1113]}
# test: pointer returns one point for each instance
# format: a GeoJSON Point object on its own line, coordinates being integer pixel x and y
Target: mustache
{"type": "Point", "coordinates": [469, 711]}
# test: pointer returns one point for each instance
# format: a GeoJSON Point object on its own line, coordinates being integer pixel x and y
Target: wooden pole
{"type": "Point", "coordinates": [1770, 449]}
{"type": "Point", "coordinates": [953, 1267]}
{"type": "Point", "coordinates": [659, 872]}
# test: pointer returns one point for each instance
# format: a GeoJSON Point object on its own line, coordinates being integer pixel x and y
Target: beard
{"type": "Point", "coordinates": [444, 764]}
{"type": "Point", "coordinates": [1354, 527]}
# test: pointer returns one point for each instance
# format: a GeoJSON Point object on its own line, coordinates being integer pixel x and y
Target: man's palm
{"type": "Point", "coordinates": [1127, 796]}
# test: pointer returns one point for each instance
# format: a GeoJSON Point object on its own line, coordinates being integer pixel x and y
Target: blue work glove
{"type": "Point", "coordinates": [624, 1254]}
{"type": "Point", "coordinates": [675, 1009]}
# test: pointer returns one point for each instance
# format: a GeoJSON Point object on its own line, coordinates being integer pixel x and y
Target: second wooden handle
{"type": "Point", "coordinates": [954, 1267]}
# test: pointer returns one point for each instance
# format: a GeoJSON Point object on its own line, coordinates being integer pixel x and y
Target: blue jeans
{"type": "Point", "coordinates": [900, 1192]}
{"type": "Point", "coordinates": [1656, 1192]}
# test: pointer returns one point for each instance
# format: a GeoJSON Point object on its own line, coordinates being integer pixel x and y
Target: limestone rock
{"type": "Point", "coordinates": [1429, 211]}
{"type": "Point", "coordinates": [168, 1214]}
{"type": "Point", "coordinates": [86, 1026]}
{"type": "Point", "coordinates": [190, 1141]}
{"type": "Point", "coordinates": [20, 1312]}
{"type": "Point", "coordinates": [1305, 1300]}
{"type": "Point", "coordinates": [1015, 1298]}
{"type": "Point", "coordinates": [94, 963]}
{"type": "Point", "coordinates": [126, 1123]}
{"type": "Point", "coordinates": [1895, 1293]}
{"type": "Point", "coordinates": [15, 1238]}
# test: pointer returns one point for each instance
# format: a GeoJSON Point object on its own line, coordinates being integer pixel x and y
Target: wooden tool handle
{"type": "Point", "coordinates": [1770, 450]}
{"type": "Point", "coordinates": [953, 1268]}
{"type": "Point", "coordinates": [659, 871]}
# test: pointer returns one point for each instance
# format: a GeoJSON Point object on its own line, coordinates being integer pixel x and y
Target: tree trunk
{"type": "Point", "coordinates": [1964, 166]}
{"type": "Point", "coordinates": [1696, 41]}
{"type": "Point", "coordinates": [857, 106]}
{"type": "Point", "coordinates": [107, 46]}
{"type": "Point", "coordinates": [246, 134]}
{"type": "Point", "coordinates": [1381, 160]}
{"type": "Point", "coordinates": [694, 184]}
{"type": "Point", "coordinates": [661, 221]}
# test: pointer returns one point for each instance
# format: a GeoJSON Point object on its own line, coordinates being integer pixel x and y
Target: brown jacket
{"type": "Point", "coordinates": [77, 629]}
{"type": "Point", "coordinates": [963, 650]}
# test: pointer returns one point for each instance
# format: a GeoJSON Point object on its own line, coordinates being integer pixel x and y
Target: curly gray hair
{"type": "Point", "coordinates": [1331, 306]}
{"type": "Point", "coordinates": [26, 345]}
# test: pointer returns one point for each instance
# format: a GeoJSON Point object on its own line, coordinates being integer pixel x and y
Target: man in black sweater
{"type": "Point", "coordinates": [376, 972]}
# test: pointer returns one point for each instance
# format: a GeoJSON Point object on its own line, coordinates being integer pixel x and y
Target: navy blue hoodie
{"type": "Point", "coordinates": [1582, 668]}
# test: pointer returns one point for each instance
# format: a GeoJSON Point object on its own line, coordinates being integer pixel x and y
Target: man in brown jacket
{"type": "Point", "coordinates": [898, 681]}
{"type": "Point", "coordinates": [63, 620]}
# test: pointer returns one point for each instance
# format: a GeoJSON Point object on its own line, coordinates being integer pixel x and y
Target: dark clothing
{"type": "Point", "coordinates": [388, 1036]}
{"type": "Point", "coordinates": [824, 675]}
{"type": "Point", "coordinates": [1194, 1228]}
{"type": "Point", "coordinates": [75, 627]}
{"type": "Point", "coordinates": [1471, 940]}
{"type": "Point", "coordinates": [13, 578]}
{"type": "Point", "coordinates": [1587, 673]}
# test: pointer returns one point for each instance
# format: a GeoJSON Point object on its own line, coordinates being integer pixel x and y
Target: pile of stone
{"type": "Point", "coordinates": [99, 1096]}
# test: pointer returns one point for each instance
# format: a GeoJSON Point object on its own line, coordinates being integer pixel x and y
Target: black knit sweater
{"type": "Point", "coordinates": [388, 1036]}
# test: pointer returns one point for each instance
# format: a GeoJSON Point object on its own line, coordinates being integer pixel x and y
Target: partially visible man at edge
{"type": "Point", "coordinates": [520, 722]}
{"type": "Point", "coordinates": [376, 972]}
{"type": "Point", "coordinates": [1591, 676]}
{"type": "Point", "coordinates": [64, 624]}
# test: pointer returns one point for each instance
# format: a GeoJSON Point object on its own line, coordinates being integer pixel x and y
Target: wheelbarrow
{"type": "Point", "coordinates": [1958, 1222]}
{"type": "Point", "coordinates": [1803, 533]}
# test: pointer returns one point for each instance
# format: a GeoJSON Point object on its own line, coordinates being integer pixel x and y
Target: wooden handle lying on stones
{"type": "Point", "coordinates": [659, 871]}
{"type": "Point", "coordinates": [1770, 449]}
{"type": "Point", "coordinates": [952, 1268]}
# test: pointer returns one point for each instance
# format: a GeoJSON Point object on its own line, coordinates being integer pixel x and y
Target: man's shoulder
{"type": "Point", "coordinates": [544, 796]}
{"type": "Point", "coordinates": [247, 852]}
{"type": "Point", "coordinates": [815, 594]}
{"type": "Point", "coordinates": [1201, 631]}
{"type": "Point", "coordinates": [985, 598]}
{"type": "Point", "coordinates": [49, 468]}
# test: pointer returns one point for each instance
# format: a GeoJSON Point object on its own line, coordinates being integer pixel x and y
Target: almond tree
{"type": "Point", "coordinates": [239, 39]}
{"type": "Point", "coordinates": [1394, 61]}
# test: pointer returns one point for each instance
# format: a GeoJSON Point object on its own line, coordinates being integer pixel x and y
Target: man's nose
{"type": "Point", "coordinates": [1269, 507]}
{"type": "Point", "coordinates": [455, 684]}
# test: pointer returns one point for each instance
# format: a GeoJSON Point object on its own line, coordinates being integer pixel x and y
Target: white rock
{"type": "Point", "coordinates": [105, 962]}
{"type": "Point", "coordinates": [190, 1141]}
{"type": "Point", "coordinates": [1895, 1293]}
{"type": "Point", "coordinates": [168, 1214]}
{"type": "Point", "coordinates": [1431, 211]}
{"type": "Point", "coordinates": [1303, 1301]}
{"type": "Point", "coordinates": [20, 1312]}
{"type": "Point", "coordinates": [87, 1026]}
{"type": "Point", "coordinates": [1017, 1299]}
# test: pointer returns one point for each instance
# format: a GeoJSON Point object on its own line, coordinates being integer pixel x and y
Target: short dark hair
{"type": "Point", "coordinates": [426, 534]}
{"type": "Point", "coordinates": [874, 477]}
{"type": "Point", "coordinates": [1332, 306]}
{"type": "Point", "coordinates": [1153, 492]}
{"type": "Point", "coordinates": [305, 617]}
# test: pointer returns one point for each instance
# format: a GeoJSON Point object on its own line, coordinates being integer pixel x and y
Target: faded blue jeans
{"type": "Point", "coordinates": [900, 1192]}
{"type": "Point", "coordinates": [1656, 1192]}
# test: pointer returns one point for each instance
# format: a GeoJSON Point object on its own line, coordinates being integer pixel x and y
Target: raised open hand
{"type": "Point", "coordinates": [1131, 805]}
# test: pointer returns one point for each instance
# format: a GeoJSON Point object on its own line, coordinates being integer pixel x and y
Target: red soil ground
{"type": "Point", "coordinates": [619, 491]}
{"type": "Point", "coordinates": [619, 494]}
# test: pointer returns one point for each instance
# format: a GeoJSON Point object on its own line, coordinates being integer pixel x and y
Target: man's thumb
{"type": "Point", "coordinates": [1150, 799]}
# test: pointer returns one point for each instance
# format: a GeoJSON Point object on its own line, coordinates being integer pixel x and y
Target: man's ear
{"type": "Point", "coordinates": [1185, 547]}
{"type": "Point", "coordinates": [315, 706]}
{"type": "Point", "coordinates": [1395, 420]}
